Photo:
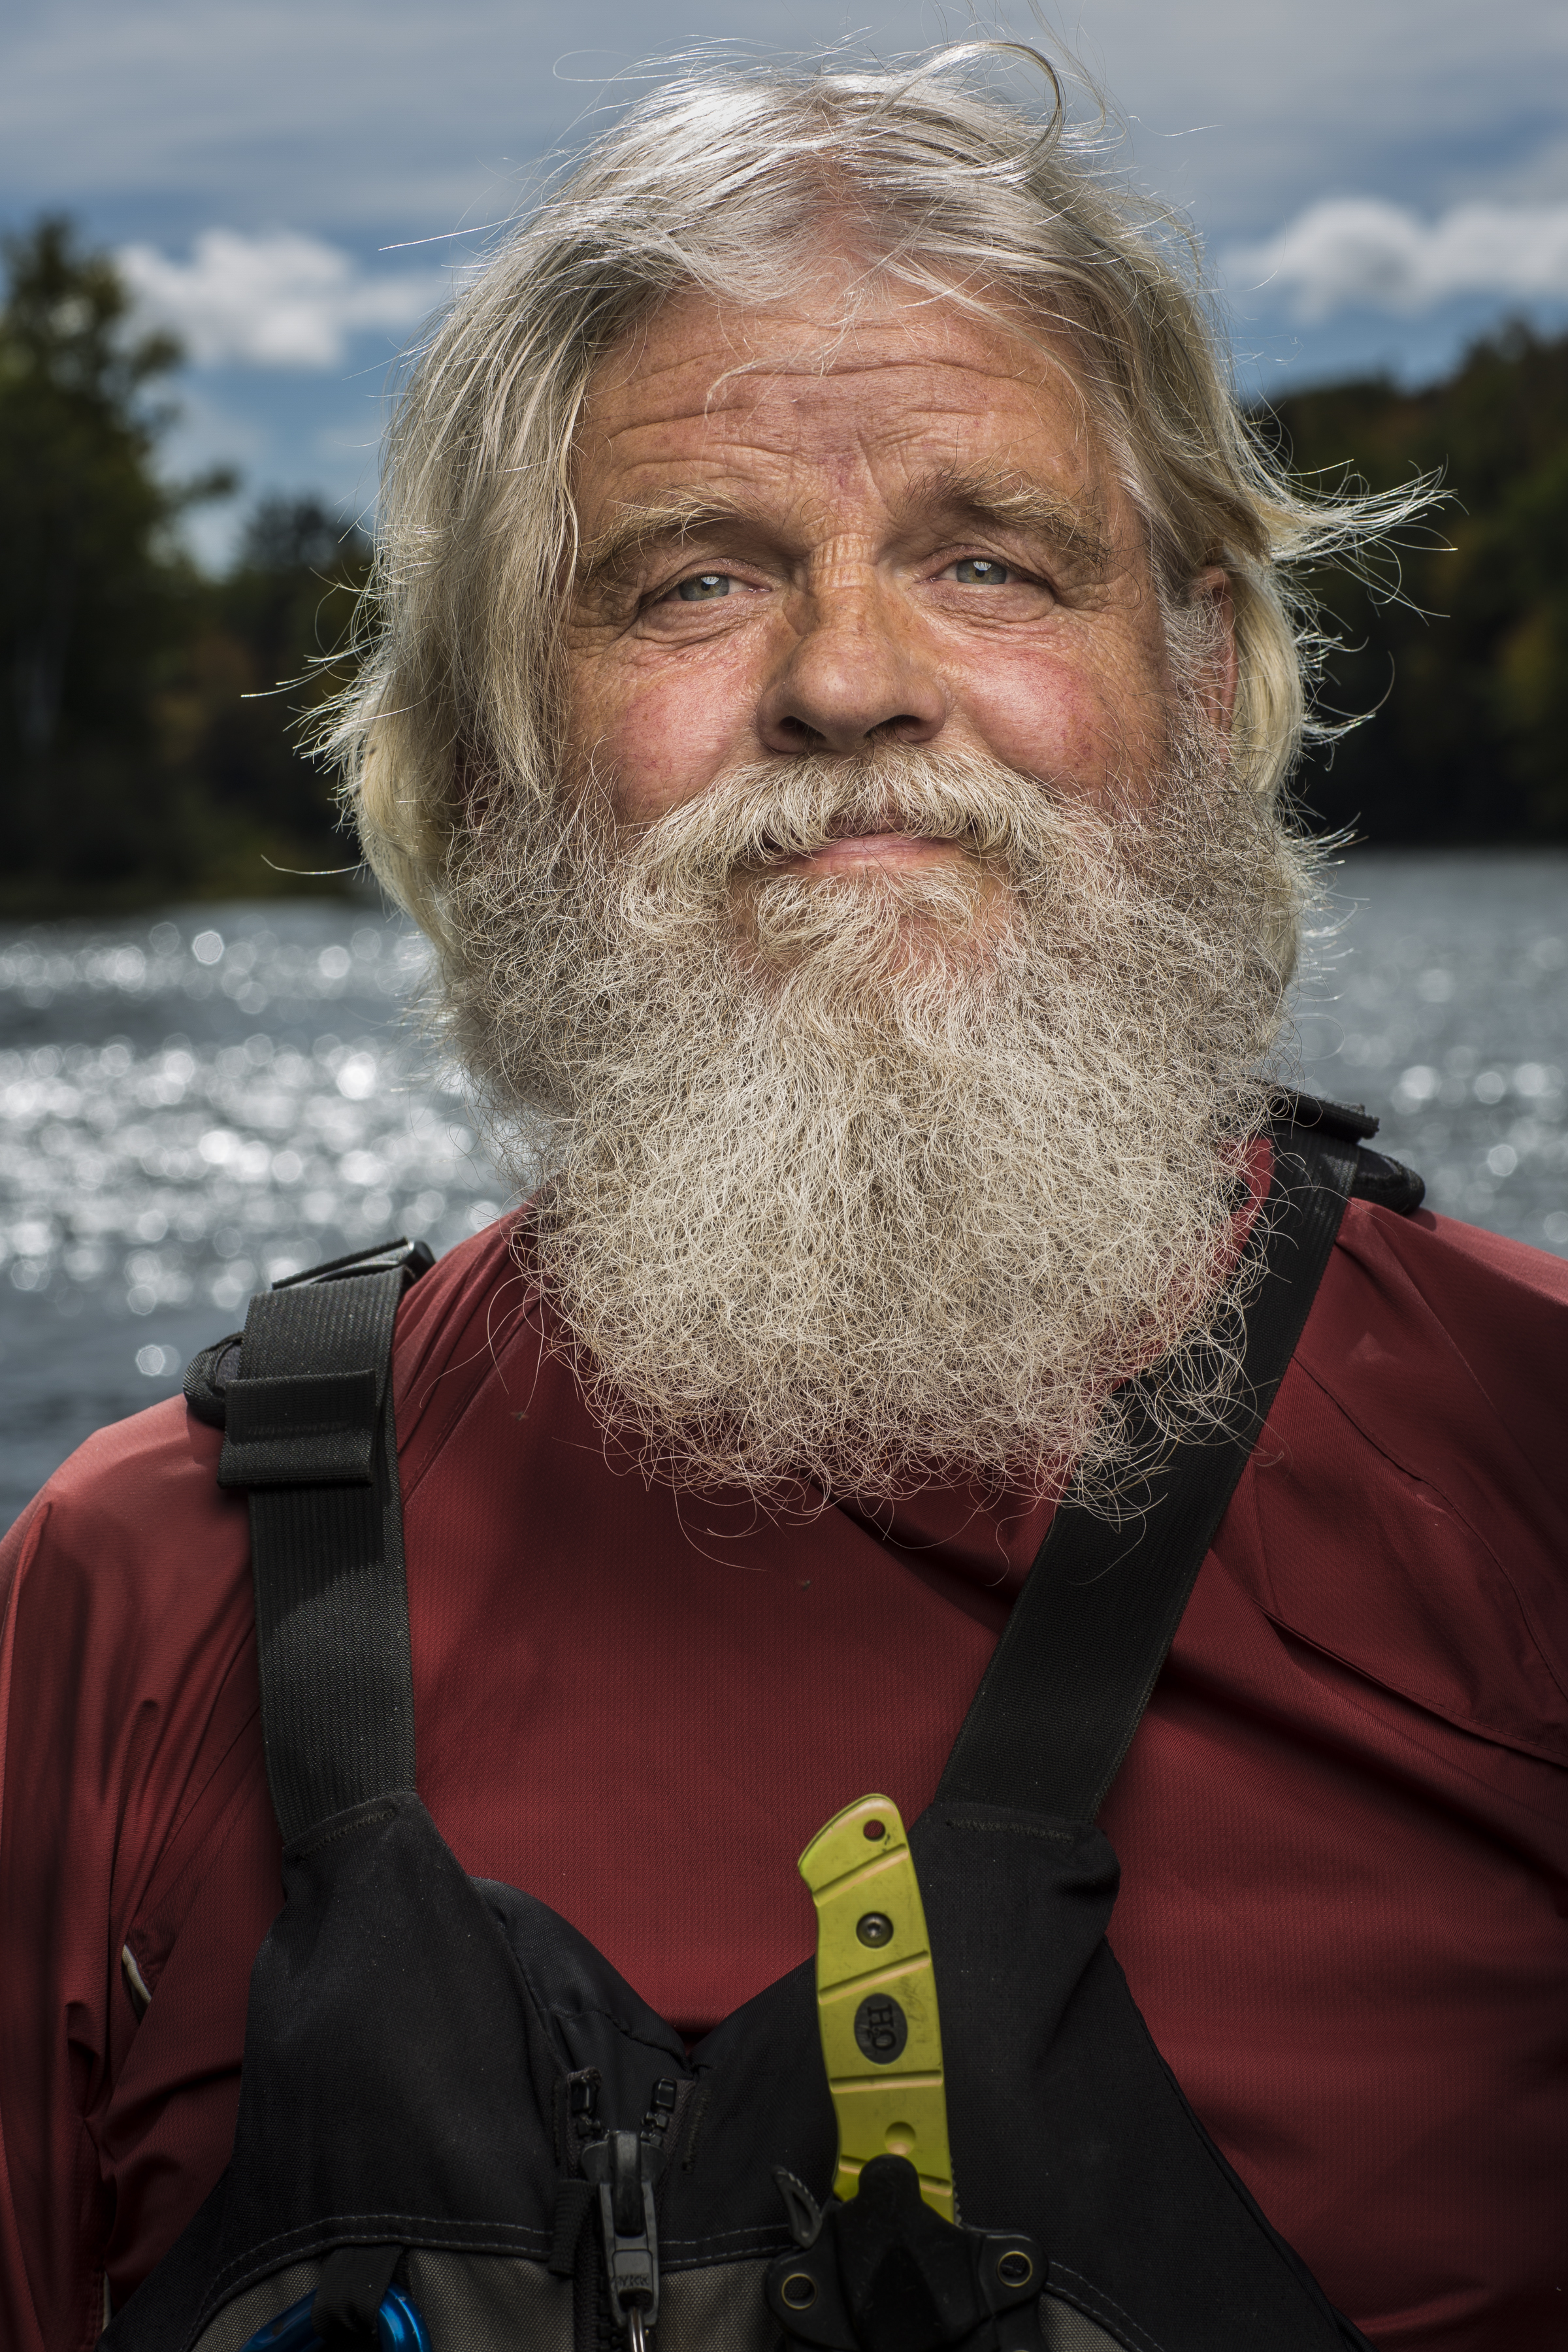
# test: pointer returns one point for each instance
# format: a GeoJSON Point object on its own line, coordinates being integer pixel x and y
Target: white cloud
{"type": "Point", "coordinates": [401, 119]}
{"type": "Point", "coordinates": [280, 301]}
{"type": "Point", "coordinates": [1360, 250]}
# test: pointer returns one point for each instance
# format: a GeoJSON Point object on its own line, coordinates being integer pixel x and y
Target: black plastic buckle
{"type": "Point", "coordinates": [412, 1258]}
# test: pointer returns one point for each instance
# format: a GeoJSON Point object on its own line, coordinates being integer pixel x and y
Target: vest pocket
{"type": "Point", "coordinates": [717, 2309]}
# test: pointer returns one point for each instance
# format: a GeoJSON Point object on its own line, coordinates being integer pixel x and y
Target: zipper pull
{"type": "Point", "coordinates": [585, 2124]}
{"type": "Point", "coordinates": [624, 2166]}
{"type": "Point", "coordinates": [656, 2122]}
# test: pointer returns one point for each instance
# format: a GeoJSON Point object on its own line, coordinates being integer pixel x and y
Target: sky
{"type": "Point", "coordinates": [291, 184]}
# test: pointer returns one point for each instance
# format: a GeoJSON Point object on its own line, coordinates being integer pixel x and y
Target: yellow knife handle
{"type": "Point", "coordinates": [876, 2000]}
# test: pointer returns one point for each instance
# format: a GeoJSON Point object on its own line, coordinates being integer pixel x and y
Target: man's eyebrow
{"type": "Point", "coordinates": [979, 496]}
{"type": "Point", "coordinates": [1010, 501]}
{"type": "Point", "coordinates": [657, 523]}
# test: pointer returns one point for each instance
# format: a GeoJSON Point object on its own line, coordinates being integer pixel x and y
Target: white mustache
{"type": "Point", "coordinates": [765, 813]}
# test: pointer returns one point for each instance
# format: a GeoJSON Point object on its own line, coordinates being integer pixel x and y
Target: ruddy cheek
{"type": "Point", "coordinates": [661, 743]}
{"type": "Point", "coordinates": [1037, 718]}
{"type": "Point", "coordinates": [675, 717]}
{"type": "Point", "coordinates": [1079, 724]}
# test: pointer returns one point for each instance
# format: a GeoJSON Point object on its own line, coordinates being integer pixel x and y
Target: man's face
{"type": "Point", "coordinates": [803, 539]}
{"type": "Point", "coordinates": [891, 1063]}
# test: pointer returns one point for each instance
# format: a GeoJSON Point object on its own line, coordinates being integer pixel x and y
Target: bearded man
{"type": "Point", "coordinates": [837, 685]}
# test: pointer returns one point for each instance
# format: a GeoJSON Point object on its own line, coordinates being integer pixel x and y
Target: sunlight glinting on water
{"type": "Point", "coordinates": [1439, 997]}
{"type": "Point", "coordinates": [164, 1174]}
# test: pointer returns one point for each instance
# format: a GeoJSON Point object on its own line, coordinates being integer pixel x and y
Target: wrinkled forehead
{"type": "Point", "coordinates": [832, 388]}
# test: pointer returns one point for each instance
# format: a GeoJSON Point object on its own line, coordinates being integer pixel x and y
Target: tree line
{"type": "Point", "coordinates": [149, 710]}
{"type": "Point", "coordinates": [1457, 666]}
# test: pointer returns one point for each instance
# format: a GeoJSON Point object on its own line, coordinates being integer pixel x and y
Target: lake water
{"type": "Point", "coordinates": [194, 1104]}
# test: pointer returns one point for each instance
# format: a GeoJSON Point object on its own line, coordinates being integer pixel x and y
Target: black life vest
{"type": "Point", "coordinates": [452, 2107]}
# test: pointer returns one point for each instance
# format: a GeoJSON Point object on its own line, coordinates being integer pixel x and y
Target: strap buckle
{"type": "Point", "coordinates": [307, 1429]}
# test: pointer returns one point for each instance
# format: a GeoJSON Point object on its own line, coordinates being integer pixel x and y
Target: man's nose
{"type": "Point", "coordinates": [857, 670]}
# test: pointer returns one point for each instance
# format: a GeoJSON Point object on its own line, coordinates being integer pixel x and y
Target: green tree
{"type": "Point", "coordinates": [266, 657]}
{"type": "Point", "coordinates": [1466, 675]}
{"type": "Point", "coordinates": [93, 595]}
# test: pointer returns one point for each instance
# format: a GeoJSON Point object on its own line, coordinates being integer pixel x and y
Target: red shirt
{"type": "Point", "coordinates": [1341, 1824]}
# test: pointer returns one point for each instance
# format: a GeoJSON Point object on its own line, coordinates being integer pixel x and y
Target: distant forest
{"type": "Point", "coordinates": [134, 764]}
{"type": "Point", "coordinates": [1465, 673]}
{"type": "Point", "coordinates": [149, 711]}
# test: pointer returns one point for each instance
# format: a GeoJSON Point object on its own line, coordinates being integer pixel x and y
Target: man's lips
{"type": "Point", "coordinates": [873, 849]}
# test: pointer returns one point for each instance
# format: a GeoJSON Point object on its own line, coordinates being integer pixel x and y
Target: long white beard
{"type": "Point", "coordinates": [867, 1181]}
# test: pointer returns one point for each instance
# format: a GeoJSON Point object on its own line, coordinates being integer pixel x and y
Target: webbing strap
{"type": "Point", "coordinates": [309, 1431]}
{"type": "Point", "coordinates": [1070, 1680]}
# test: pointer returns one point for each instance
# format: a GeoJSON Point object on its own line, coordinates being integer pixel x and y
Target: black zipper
{"type": "Point", "coordinates": [625, 2168]}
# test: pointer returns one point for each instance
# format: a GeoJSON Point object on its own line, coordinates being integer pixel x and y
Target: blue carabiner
{"type": "Point", "coordinates": [398, 2324]}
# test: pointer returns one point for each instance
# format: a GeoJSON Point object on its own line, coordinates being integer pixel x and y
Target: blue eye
{"type": "Point", "coordinates": [981, 572]}
{"type": "Point", "coordinates": [705, 585]}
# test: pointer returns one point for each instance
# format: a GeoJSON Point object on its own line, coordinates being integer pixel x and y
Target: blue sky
{"type": "Point", "coordinates": [290, 180]}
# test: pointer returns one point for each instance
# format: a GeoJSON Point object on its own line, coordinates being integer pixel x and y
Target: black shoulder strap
{"type": "Point", "coordinates": [1070, 1680]}
{"type": "Point", "coordinates": [309, 1430]}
